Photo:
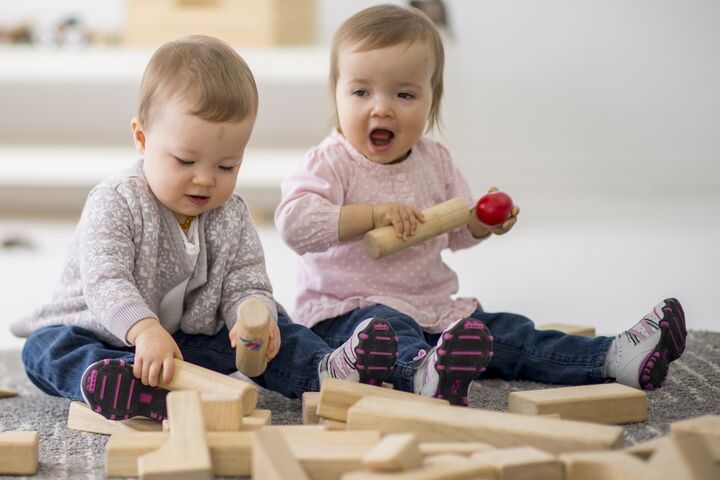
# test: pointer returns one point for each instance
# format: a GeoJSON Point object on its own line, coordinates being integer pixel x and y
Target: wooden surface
{"type": "Point", "coordinates": [610, 403]}
{"type": "Point", "coordinates": [439, 219]}
{"type": "Point", "coordinates": [19, 452]}
{"type": "Point", "coordinates": [435, 423]}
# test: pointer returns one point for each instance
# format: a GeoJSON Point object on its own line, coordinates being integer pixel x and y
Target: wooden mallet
{"type": "Point", "coordinates": [439, 219]}
{"type": "Point", "coordinates": [253, 328]}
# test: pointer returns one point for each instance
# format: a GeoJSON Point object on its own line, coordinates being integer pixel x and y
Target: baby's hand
{"type": "Point", "coordinates": [155, 351]}
{"type": "Point", "coordinates": [403, 217]}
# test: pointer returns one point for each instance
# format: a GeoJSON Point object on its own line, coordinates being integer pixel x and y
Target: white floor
{"type": "Point", "coordinates": [596, 263]}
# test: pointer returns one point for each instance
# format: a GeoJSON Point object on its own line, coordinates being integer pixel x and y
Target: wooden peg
{"type": "Point", "coordinates": [19, 452]}
{"type": "Point", "coordinates": [439, 219]}
{"type": "Point", "coordinates": [186, 454]}
{"type": "Point", "coordinates": [253, 328]}
{"type": "Point", "coordinates": [193, 377]}
{"type": "Point", "coordinates": [7, 394]}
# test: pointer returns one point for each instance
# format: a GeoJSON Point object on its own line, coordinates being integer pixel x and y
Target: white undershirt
{"type": "Point", "coordinates": [171, 306]}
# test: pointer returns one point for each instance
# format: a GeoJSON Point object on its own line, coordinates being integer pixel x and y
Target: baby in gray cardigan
{"type": "Point", "coordinates": [166, 251]}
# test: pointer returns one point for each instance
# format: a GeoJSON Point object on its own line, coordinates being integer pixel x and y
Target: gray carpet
{"type": "Point", "coordinates": [693, 389]}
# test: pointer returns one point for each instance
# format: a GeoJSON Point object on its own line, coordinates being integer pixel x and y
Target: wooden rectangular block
{"type": "Point", "coordinates": [706, 428]}
{"type": "Point", "coordinates": [521, 462]}
{"type": "Point", "coordinates": [188, 376]}
{"type": "Point", "coordinates": [336, 396]}
{"type": "Point", "coordinates": [19, 452]}
{"type": "Point", "coordinates": [272, 458]}
{"type": "Point", "coordinates": [80, 417]}
{"type": "Point", "coordinates": [686, 459]}
{"type": "Point", "coordinates": [602, 466]}
{"type": "Point", "coordinates": [451, 467]}
{"type": "Point", "coordinates": [324, 455]}
{"type": "Point", "coordinates": [457, 448]}
{"type": "Point", "coordinates": [451, 424]}
{"type": "Point", "coordinates": [310, 401]}
{"type": "Point", "coordinates": [609, 403]}
{"type": "Point", "coordinates": [569, 329]}
{"type": "Point", "coordinates": [644, 450]}
{"type": "Point", "coordinates": [395, 452]}
{"type": "Point", "coordinates": [185, 455]}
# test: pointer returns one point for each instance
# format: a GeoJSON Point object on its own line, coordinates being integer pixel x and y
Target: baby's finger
{"type": "Point", "coordinates": [407, 224]}
{"type": "Point", "coordinates": [398, 224]}
{"type": "Point", "coordinates": [145, 373]}
{"type": "Point", "coordinates": [492, 189]}
{"type": "Point", "coordinates": [515, 211]}
{"type": "Point", "coordinates": [168, 369]}
{"type": "Point", "coordinates": [154, 373]}
{"type": "Point", "coordinates": [137, 367]}
{"type": "Point", "coordinates": [419, 215]}
{"type": "Point", "coordinates": [233, 337]}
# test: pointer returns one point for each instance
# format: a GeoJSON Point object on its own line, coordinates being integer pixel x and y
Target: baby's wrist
{"type": "Point", "coordinates": [141, 327]}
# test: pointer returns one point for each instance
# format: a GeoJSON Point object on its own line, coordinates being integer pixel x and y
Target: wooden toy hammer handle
{"type": "Point", "coordinates": [439, 219]}
{"type": "Point", "coordinates": [253, 328]}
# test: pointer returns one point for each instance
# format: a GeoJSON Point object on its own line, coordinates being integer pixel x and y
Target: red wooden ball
{"type": "Point", "coordinates": [494, 208]}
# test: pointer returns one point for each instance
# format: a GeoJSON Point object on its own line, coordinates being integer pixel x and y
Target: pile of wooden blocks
{"type": "Point", "coordinates": [356, 431]}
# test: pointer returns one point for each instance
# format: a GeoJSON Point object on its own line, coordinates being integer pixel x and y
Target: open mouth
{"type": "Point", "coordinates": [198, 199]}
{"type": "Point", "coordinates": [381, 137]}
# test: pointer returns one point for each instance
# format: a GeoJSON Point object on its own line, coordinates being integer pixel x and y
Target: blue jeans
{"type": "Point", "coordinates": [520, 351]}
{"type": "Point", "coordinates": [55, 357]}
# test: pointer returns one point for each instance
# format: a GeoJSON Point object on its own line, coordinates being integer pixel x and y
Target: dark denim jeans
{"type": "Point", "coordinates": [55, 357]}
{"type": "Point", "coordinates": [520, 351]}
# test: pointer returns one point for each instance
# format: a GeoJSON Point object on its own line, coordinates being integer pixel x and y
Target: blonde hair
{"type": "Point", "coordinates": [207, 73]}
{"type": "Point", "coordinates": [386, 26]}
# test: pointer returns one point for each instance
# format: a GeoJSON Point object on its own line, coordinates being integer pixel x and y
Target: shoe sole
{"type": "Point", "coordinates": [653, 369]}
{"type": "Point", "coordinates": [110, 389]}
{"type": "Point", "coordinates": [463, 353]}
{"type": "Point", "coordinates": [376, 352]}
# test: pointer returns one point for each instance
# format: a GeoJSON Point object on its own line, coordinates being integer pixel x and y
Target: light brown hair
{"type": "Point", "coordinates": [386, 26]}
{"type": "Point", "coordinates": [209, 75]}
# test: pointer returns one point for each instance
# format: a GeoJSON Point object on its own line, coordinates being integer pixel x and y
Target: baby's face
{"type": "Point", "coordinates": [191, 164]}
{"type": "Point", "coordinates": [383, 98]}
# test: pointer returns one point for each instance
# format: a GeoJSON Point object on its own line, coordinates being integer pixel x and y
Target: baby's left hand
{"type": "Point", "coordinates": [507, 225]}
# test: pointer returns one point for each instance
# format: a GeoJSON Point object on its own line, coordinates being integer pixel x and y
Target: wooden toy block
{"type": "Point", "coordinates": [395, 452]}
{"type": "Point", "coordinates": [259, 418]}
{"type": "Point", "coordinates": [334, 425]}
{"type": "Point", "coordinates": [444, 467]}
{"type": "Point", "coordinates": [323, 455]}
{"type": "Point", "coordinates": [193, 377]}
{"type": "Point", "coordinates": [609, 403]}
{"type": "Point", "coordinates": [327, 455]}
{"type": "Point", "coordinates": [521, 462]}
{"type": "Point", "coordinates": [272, 458]}
{"type": "Point", "coordinates": [19, 452]}
{"type": "Point", "coordinates": [81, 417]}
{"type": "Point", "coordinates": [185, 455]}
{"type": "Point", "coordinates": [706, 428]}
{"type": "Point", "coordinates": [253, 328]}
{"type": "Point", "coordinates": [569, 329]}
{"type": "Point", "coordinates": [387, 385]}
{"type": "Point", "coordinates": [337, 396]}
{"type": "Point", "coordinates": [7, 394]}
{"type": "Point", "coordinates": [222, 411]}
{"type": "Point", "coordinates": [436, 423]}
{"type": "Point", "coordinates": [644, 450]}
{"type": "Point", "coordinates": [687, 459]}
{"type": "Point", "coordinates": [229, 451]}
{"type": "Point", "coordinates": [439, 219]}
{"type": "Point", "coordinates": [310, 401]}
{"type": "Point", "coordinates": [457, 448]}
{"type": "Point", "coordinates": [602, 466]}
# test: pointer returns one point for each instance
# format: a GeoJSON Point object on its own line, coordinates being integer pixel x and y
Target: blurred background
{"type": "Point", "coordinates": [601, 118]}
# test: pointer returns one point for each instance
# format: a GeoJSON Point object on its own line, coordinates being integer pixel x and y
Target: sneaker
{"type": "Point", "coordinates": [110, 389]}
{"type": "Point", "coordinates": [640, 357]}
{"type": "Point", "coordinates": [368, 356]}
{"type": "Point", "coordinates": [461, 354]}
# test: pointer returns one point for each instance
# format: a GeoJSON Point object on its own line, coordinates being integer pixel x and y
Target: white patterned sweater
{"type": "Point", "coordinates": [127, 253]}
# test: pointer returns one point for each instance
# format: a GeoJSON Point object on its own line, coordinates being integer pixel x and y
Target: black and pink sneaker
{"type": "Point", "coordinates": [640, 357]}
{"type": "Point", "coordinates": [110, 389]}
{"type": "Point", "coordinates": [368, 356]}
{"type": "Point", "coordinates": [462, 353]}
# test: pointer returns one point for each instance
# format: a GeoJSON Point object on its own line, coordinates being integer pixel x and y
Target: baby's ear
{"type": "Point", "coordinates": [138, 135]}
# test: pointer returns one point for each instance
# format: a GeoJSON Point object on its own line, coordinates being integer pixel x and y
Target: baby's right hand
{"type": "Point", "coordinates": [155, 351]}
{"type": "Point", "coordinates": [403, 217]}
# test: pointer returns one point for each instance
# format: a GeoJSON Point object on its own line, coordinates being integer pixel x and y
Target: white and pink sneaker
{"type": "Point", "coordinates": [640, 357]}
{"type": "Point", "coordinates": [368, 356]}
{"type": "Point", "coordinates": [461, 354]}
